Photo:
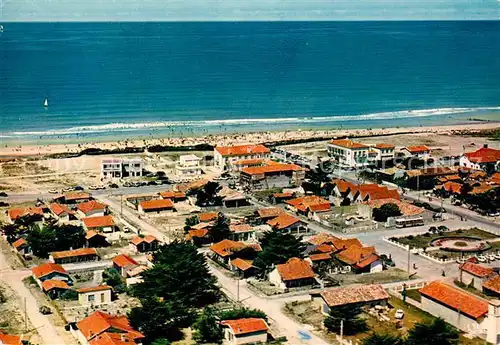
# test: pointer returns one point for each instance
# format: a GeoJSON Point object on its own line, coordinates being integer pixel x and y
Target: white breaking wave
{"type": "Point", "coordinates": [124, 127]}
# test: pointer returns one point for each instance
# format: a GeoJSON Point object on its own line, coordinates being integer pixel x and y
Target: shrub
{"type": "Point", "coordinates": [460, 244]}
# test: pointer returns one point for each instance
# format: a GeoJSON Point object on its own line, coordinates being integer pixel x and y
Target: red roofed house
{"type": "Point", "coordinates": [463, 310]}
{"type": "Point", "coordinates": [360, 259]}
{"type": "Point", "coordinates": [245, 331]}
{"type": "Point", "coordinates": [73, 198]}
{"type": "Point", "coordinates": [94, 239]}
{"type": "Point", "coordinates": [418, 151]}
{"type": "Point", "coordinates": [54, 288]}
{"type": "Point", "coordinates": [223, 251]}
{"type": "Point", "coordinates": [50, 271]}
{"type": "Point", "coordinates": [95, 295]}
{"type": "Point", "coordinates": [294, 273]}
{"type": "Point", "coordinates": [224, 156]}
{"type": "Point", "coordinates": [99, 223]}
{"type": "Point", "coordinates": [353, 295]}
{"type": "Point", "coordinates": [347, 153]}
{"type": "Point", "coordinates": [268, 213]}
{"type": "Point", "coordinates": [384, 152]}
{"type": "Point", "coordinates": [101, 328]}
{"type": "Point", "coordinates": [485, 158]}
{"type": "Point", "coordinates": [307, 204]}
{"type": "Point", "coordinates": [62, 212]}
{"type": "Point", "coordinates": [72, 256]}
{"type": "Point", "coordinates": [21, 246]}
{"type": "Point", "coordinates": [289, 224]}
{"type": "Point", "coordinates": [174, 196]}
{"type": "Point", "coordinates": [207, 216]}
{"type": "Point", "coordinates": [471, 273]}
{"type": "Point", "coordinates": [275, 175]}
{"type": "Point", "coordinates": [491, 287]}
{"type": "Point", "coordinates": [18, 212]}
{"type": "Point", "coordinates": [145, 243]}
{"type": "Point", "coordinates": [242, 232]}
{"type": "Point", "coordinates": [92, 208]}
{"type": "Point", "coordinates": [7, 339]}
{"type": "Point", "coordinates": [158, 206]}
{"type": "Point", "coordinates": [123, 263]}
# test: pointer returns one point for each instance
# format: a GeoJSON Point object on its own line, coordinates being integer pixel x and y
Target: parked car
{"type": "Point", "coordinates": [481, 258]}
{"type": "Point", "coordinates": [3, 194]}
{"type": "Point", "coordinates": [77, 188]}
{"type": "Point", "coordinates": [45, 310]}
{"type": "Point", "coordinates": [399, 314]}
{"type": "Point", "coordinates": [494, 214]}
{"type": "Point", "coordinates": [492, 257]}
{"type": "Point", "coordinates": [113, 185]}
{"type": "Point", "coordinates": [53, 191]}
{"type": "Point", "coordinates": [497, 255]}
{"type": "Point", "coordinates": [4, 204]}
{"type": "Point", "coordinates": [68, 189]}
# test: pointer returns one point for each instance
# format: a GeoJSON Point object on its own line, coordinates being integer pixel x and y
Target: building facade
{"type": "Point", "coordinates": [224, 156]}
{"type": "Point", "coordinates": [121, 167]}
{"type": "Point", "coordinates": [349, 154]}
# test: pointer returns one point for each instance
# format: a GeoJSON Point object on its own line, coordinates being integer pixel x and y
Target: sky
{"type": "Point", "coordinates": [205, 10]}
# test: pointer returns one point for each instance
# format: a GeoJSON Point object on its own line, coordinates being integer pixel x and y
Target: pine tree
{"type": "Point", "coordinates": [208, 329]}
{"type": "Point", "coordinates": [350, 315]}
{"type": "Point", "coordinates": [437, 332]}
{"type": "Point", "coordinates": [220, 228]}
{"type": "Point", "coordinates": [382, 339]}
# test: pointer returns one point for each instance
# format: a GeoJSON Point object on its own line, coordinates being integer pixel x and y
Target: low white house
{"type": "Point", "coordinates": [95, 295]}
{"type": "Point", "coordinates": [188, 165]}
{"type": "Point", "coordinates": [417, 151]}
{"type": "Point", "coordinates": [471, 273]}
{"type": "Point", "coordinates": [481, 159]}
{"type": "Point", "coordinates": [245, 331]}
{"type": "Point", "coordinates": [294, 273]}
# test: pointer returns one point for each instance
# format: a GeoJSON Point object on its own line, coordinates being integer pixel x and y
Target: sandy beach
{"type": "Point", "coordinates": [241, 138]}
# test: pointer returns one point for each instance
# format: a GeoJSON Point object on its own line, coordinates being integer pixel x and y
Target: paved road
{"type": "Point", "coordinates": [14, 278]}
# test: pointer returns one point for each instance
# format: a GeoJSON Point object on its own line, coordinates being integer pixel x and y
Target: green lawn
{"type": "Point", "coordinates": [414, 294]}
{"type": "Point", "coordinates": [424, 240]}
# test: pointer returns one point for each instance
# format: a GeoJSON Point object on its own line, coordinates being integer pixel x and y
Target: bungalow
{"type": "Point", "coordinates": [361, 259]}
{"type": "Point", "coordinates": [242, 232]}
{"type": "Point", "coordinates": [474, 274]}
{"type": "Point", "coordinates": [245, 331]}
{"type": "Point", "coordinates": [21, 246]}
{"type": "Point", "coordinates": [223, 250]}
{"type": "Point", "coordinates": [174, 196]}
{"type": "Point", "coordinates": [365, 209]}
{"type": "Point", "coordinates": [95, 239]}
{"type": "Point", "coordinates": [289, 224]}
{"type": "Point", "coordinates": [318, 260]}
{"type": "Point", "coordinates": [448, 189]}
{"type": "Point", "coordinates": [72, 256]}
{"type": "Point", "coordinates": [73, 198]}
{"type": "Point", "coordinates": [54, 288]}
{"type": "Point", "coordinates": [343, 190]}
{"type": "Point", "coordinates": [306, 204]}
{"type": "Point", "coordinates": [99, 223]}
{"type": "Point", "coordinates": [368, 192]}
{"type": "Point", "coordinates": [134, 200]}
{"type": "Point", "coordinates": [274, 175]}
{"type": "Point", "coordinates": [95, 295]}
{"type": "Point", "coordinates": [266, 214]}
{"type": "Point", "coordinates": [353, 295]}
{"type": "Point", "coordinates": [224, 156]}
{"type": "Point", "coordinates": [15, 213]}
{"type": "Point", "coordinates": [491, 287]}
{"type": "Point", "coordinates": [485, 159]}
{"type": "Point", "coordinates": [50, 271]}
{"type": "Point", "coordinates": [294, 273]}
{"type": "Point", "coordinates": [243, 267]}
{"type": "Point", "coordinates": [103, 328]}
{"type": "Point", "coordinates": [62, 212]}
{"type": "Point", "coordinates": [234, 199]}
{"type": "Point", "coordinates": [207, 217]}
{"type": "Point", "coordinates": [417, 151]}
{"type": "Point", "coordinates": [124, 263]}
{"type": "Point", "coordinates": [158, 206]}
{"type": "Point", "coordinates": [91, 208]}
{"type": "Point", "coordinates": [143, 244]}
{"type": "Point", "coordinates": [199, 237]}
{"type": "Point", "coordinates": [7, 339]}
{"type": "Point", "coordinates": [278, 198]}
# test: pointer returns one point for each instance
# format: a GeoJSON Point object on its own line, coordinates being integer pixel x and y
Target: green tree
{"type": "Point", "coordinates": [220, 228]}
{"type": "Point", "coordinates": [385, 211]}
{"type": "Point", "coordinates": [436, 332]}
{"type": "Point", "coordinates": [350, 315]}
{"type": "Point", "coordinates": [11, 232]}
{"type": "Point", "coordinates": [68, 236]}
{"type": "Point", "coordinates": [208, 329]}
{"type": "Point", "coordinates": [277, 247]}
{"type": "Point", "coordinates": [209, 195]}
{"type": "Point", "coordinates": [179, 273]}
{"type": "Point", "coordinates": [113, 278]}
{"type": "Point", "coordinates": [42, 241]}
{"type": "Point", "coordinates": [382, 339]}
{"type": "Point", "coordinates": [161, 341]}
{"type": "Point", "coordinates": [190, 221]}
{"type": "Point", "coordinates": [159, 319]}
{"type": "Point", "coordinates": [242, 313]}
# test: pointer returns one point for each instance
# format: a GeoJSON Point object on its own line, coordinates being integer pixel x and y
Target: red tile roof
{"type": "Point", "coordinates": [91, 234]}
{"type": "Point", "coordinates": [240, 228]}
{"type": "Point", "coordinates": [7, 339]}
{"type": "Point", "coordinates": [20, 242]}
{"type": "Point", "coordinates": [241, 150]}
{"type": "Point", "coordinates": [477, 270]}
{"type": "Point", "coordinates": [74, 253]}
{"type": "Point", "coordinates": [18, 212]}
{"type": "Point", "coordinates": [242, 264]}
{"type": "Point", "coordinates": [484, 155]}
{"type": "Point", "coordinates": [283, 221]}
{"type": "Point", "coordinates": [246, 326]}
{"type": "Point", "coordinates": [320, 207]}
{"type": "Point", "coordinates": [294, 269]}
{"type": "Point", "coordinates": [208, 216]}
{"type": "Point", "coordinates": [417, 149]}
{"type": "Point", "coordinates": [348, 144]}
{"type": "Point", "coordinates": [456, 299]}
{"type": "Point", "coordinates": [358, 256]}
{"type": "Point", "coordinates": [226, 247]}
{"type": "Point", "coordinates": [45, 269]}
{"type": "Point", "coordinates": [406, 208]}
{"type": "Point", "coordinates": [321, 238]}
{"type": "Point", "coordinates": [354, 294]}
{"type": "Point", "coordinates": [95, 289]}
{"type": "Point", "coordinates": [109, 338]}
{"type": "Point", "coordinates": [50, 284]}
{"type": "Point", "coordinates": [283, 195]}
{"type": "Point", "coordinates": [320, 256]}
{"type": "Point", "coordinates": [59, 209]}
{"type": "Point", "coordinates": [140, 239]}
{"type": "Point", "coordinates": [270, 212]}
{"type": "Point", "coordinates": [123, 260]}
{"type": "Point", "coordinates": [100, 322]}
{"type": "Point", "coordinates": [271, 168]}
{"type": "Point", "coordinates": [452, 187]}
{"type": "Point", "coordinates": [92, 205]}
{"type": "Point", "coordinates": [160, 204]}
{"type": "Point", "coordinates": [75, 196]}
{"type": "Point", "coordinates": [384, 146]}
{"type": "Point", "coordinates": [173, 195]}
{"type": "Point", "coordinates": [98, 222]}
{"type": "Point", "coordinates": [305, 202]}
{"type": "Point", "coordinates": [199, 233]}
{"type": "Point", "coordinates": [493, 284]}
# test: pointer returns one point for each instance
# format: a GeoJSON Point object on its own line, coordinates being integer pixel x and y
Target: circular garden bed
{"type": "Point", "coordinates": [461, 244]}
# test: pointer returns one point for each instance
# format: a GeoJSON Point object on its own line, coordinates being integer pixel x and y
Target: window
{"type": "Point", "coordinates": [91, 298]}
{"type": "Point", "coordinates": [103, 298]}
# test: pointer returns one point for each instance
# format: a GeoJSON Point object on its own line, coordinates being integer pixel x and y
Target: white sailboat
{"type": "Point", "coordinates": [46, 103]}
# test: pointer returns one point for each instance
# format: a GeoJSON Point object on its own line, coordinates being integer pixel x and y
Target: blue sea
{"type": "Point", "coordinates": [132, 80]}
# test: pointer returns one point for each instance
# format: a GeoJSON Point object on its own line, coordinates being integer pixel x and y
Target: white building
{"type": "Point", "coordinates": [121, 167]}
{"type": "Point", "coordinates": [245, 331]}
{"type": "Point", "coordinates": [471, 273]}
{"type": "Point", "coordinates": [481, 159]}
{"type": "Point", "coordinates": [418, 151]}
{"type": "Point", "coordinates": [188, 165]}
{"type": "Point", "coordinates": [384, 152]}
{"type": "Point", "coordinates": [350, 154]}
{"type": "Point", "coordinates": [224, 156]}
